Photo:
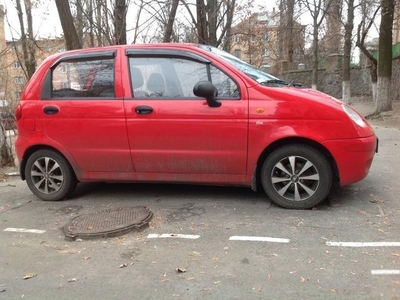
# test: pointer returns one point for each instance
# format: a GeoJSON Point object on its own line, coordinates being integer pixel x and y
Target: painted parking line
{"type": "Point", "coordinates": [385, 272]}
{"type": "Point", "coordinates": [258, 239]}
{"type": "Point", "coordinates": [367, 244]}
{"type": "Point", "coordinates": [25, 230]}
{"type": "Point", "coordinates": [173, 235]}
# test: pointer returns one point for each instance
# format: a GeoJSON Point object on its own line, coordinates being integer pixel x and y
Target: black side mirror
{"type": "Point", "coordinates": [207, 90]}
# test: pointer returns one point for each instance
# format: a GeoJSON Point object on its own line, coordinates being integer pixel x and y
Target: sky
{"type": "Point", "coordinates": [45, 20]}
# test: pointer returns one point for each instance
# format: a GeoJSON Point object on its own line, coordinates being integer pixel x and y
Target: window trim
{"type": "Point", "coordinates": [166, 53]}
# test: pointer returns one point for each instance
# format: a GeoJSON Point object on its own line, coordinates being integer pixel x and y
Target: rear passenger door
{"type": "Point", "coordinates": [171, 131]}
{"type": "Point", "coordinates": [83, 112]}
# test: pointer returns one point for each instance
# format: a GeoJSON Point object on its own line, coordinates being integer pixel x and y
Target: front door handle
{"type": "Point", "coordinates": [143, 110]}
{"type": "Point", "coordinates": [50, 110]}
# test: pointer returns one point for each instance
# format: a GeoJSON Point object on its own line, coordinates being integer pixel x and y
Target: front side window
{"type": "Point", "coordinates": [159, 77]}
{"type": "Point", "coordinates": [83, 79]}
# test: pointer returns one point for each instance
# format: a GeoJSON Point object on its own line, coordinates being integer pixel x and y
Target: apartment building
{"type": "Point", "coordinates": [262, 41]}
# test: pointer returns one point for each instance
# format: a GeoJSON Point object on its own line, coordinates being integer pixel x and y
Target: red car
{"type": "Point", "coordinates": [184, 113]}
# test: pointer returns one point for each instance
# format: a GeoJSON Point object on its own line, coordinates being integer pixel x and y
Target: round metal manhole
{"type": "Point", "coordinates": [108, 222]}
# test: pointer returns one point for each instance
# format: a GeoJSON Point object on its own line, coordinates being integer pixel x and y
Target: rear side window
{"type": "Point", "coordinates": [83, 79]}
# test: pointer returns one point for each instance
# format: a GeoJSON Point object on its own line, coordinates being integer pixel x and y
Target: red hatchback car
{"type": "Point", "coordinates": [184, 113]}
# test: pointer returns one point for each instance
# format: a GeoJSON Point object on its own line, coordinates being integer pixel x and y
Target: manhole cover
{"type": "Point", "coordinates": [108, 222]}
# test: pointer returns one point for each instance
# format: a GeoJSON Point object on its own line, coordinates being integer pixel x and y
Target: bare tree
{"type": "Point", "coordinates": [72, 40]}
{"type": "Point", "coordinates": [349, 25]}
{"type": "Point", "coordinates": [317, 10]}
{"type": "Point", "coordinates": [368, 15]}
{"type": "Point", "coordinates": [170, 23]}
{"type": "Point", "coordinates": [120, 22]}
{"type": "Point", "coordinates": [384, 94]}
{"type": "Point", "coordinates": [213, 20]}
{"type": "Point", "coordinates": [28, 61]}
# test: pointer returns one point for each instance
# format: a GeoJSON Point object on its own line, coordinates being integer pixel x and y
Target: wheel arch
{"type": "Point", "coordinates": [35, 148]}
{"type": "Point", "coordinates": [294, 140]}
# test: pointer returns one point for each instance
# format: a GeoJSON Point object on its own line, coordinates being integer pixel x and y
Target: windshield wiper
{"type": "Point", "coordinates": [274, 82]}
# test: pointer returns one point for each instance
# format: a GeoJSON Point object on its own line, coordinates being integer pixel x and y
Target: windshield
{"type": "Point", "coordinates": [256, 74]}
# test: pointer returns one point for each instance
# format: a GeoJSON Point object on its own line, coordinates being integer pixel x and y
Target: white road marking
{"type": "Point", "coordinates": [25, 230]}
{"type": "Point", "coordinates": [385, 272]}
{"type": "Point", "coordinates": [258, 239]}
{"type": "Point", "coordinates": [173, 235]}
{"type": "Point", "coordinates": [367, 244]}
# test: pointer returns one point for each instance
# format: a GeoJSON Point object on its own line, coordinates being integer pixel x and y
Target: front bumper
{"type": "Point", "coordinates": [353, 157]}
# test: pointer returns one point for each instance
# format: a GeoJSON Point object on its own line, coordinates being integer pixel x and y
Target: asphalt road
{"type": "Point", "coordinates": [199, 244]}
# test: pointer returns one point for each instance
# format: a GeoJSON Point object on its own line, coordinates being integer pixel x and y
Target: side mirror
{"type": "Point", "coordinates": [207, 90]}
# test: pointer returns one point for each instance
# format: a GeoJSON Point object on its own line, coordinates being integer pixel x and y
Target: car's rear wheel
{"type": "Point", "coordinates": [296, 176]}
{"type": "Point", "coordinates": [49, 176]}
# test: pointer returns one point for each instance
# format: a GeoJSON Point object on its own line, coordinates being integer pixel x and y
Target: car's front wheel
{"type": "Point", "coordinates": [49, 176]}
{"type": "Point", "coordinates": [296, 176]}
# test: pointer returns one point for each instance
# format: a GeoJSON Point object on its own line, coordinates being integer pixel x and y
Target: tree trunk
{"type": "Point", "coordinates": [212, 13]}
{"type": "Point", "coordinates": [67, 23]}
{"type": "Point", "coordinates": [314, 82]}
{"type": "Point", "coordinates": [202, 24]}
{"type": "Point", "coordinates": [170, 23]}
{"type": "Point", "coordinates": [346, 91]}
{"type": "Point", "coordinates": [6, 156]}
{"type": "Point", "coordinates": [384, 95]}
{"type": "Point", "coordinates": [120, 22]}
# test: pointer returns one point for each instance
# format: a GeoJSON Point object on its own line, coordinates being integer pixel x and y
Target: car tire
{"type": "Point", "coordinates": [296, 176]}
{"type": "Point", "coordinates": [49, 175]}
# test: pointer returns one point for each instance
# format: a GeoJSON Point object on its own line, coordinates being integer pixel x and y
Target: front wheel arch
{"type": "Point", "coordinates": [281, 184]}
{"type": "Point", "coordinates": [256, 184]}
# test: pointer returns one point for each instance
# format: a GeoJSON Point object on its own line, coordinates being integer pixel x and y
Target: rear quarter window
{"type": "Point", "coordinates": [83, 79]}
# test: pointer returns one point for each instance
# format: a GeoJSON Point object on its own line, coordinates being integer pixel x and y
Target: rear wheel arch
{"type": "Point", "coordinates": [36, 148]}
{"type": "Point", "coordinates": [49, 174]}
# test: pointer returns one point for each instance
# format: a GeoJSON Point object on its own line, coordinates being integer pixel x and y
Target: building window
{"type": "Point", "coordinates": [266, 37]}
{"type": "Point", "coordinates": [18, 95]}
{"type": "Point", "coordinates": [238, 38]}
{"type": "Point", "coordinates": [237, 53]}
{"type": "Point", "coordinates": [19, 79]}
{"type": "Point", "coordinates": [265, 52]}
{"type": "Point", "coordinates": [17, 64]}
{"type": "Point", "coordinates": [252, 38]}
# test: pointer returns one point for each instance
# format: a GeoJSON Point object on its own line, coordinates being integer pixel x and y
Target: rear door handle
{"type": "Point", "coordinates": [143, 110]}
{"type": "Point", "coordinates": [50, 110]}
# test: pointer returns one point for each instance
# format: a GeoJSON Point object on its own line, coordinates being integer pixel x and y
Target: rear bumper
{"type": "Point", "coordinates": [353, 157]}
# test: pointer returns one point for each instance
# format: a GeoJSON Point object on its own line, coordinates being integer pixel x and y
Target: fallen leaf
{"type": "Point", "coordinates": [73, 280]}
{"type": "Point", "coordinates": [181, 270]}
{"type": "Point", "coordinates": [29, 276]}
{"type": "Point", "coordinates": [86, 257]}
{"type": "Point", "coordinates": [333, 290]}
{"type": "Point", "coordinates": [303, 280]}
{"type": "Point", "coordinates": [123, 266]}
{"type": "Point", "coordinates": [191, 278]}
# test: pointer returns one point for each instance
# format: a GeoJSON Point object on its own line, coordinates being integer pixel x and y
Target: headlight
{"type": "Point", "coordinates": [354, 115]}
